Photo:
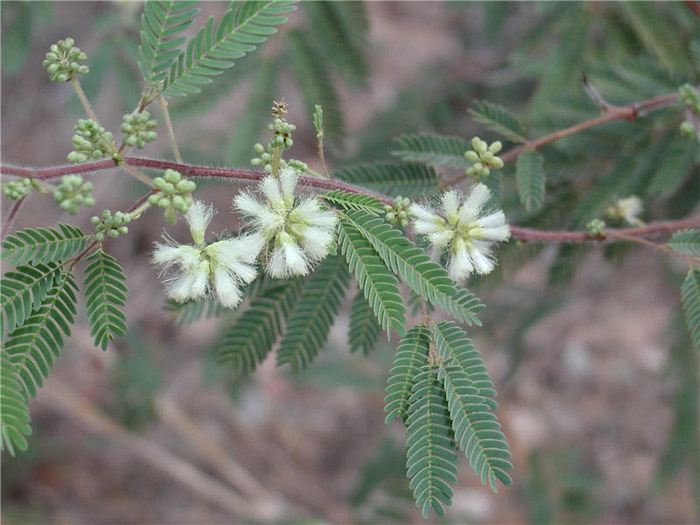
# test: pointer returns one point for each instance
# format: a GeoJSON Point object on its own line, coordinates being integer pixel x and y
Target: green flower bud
{"type": "Point", "coordinates": [164, 202]}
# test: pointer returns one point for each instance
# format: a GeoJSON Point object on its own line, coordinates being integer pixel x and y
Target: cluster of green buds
{"type": "Point", "coordinates": [398, 214]}
{"type": "Point", "coordinates": [90, 141]}
{"type": "Point", "coordinates": [111, 225]}
{"type": "Point", "coordinates": [63, 61]}
{"type": "Point", "coordinates": [596, 227]}
{"type": "Point", "coordinates": [484, 158]}
{"type": "Point", "coordinates": [138, 129]}
{"type": "Point", "coordinates": [174, 194]}
{"type": "Point", "coordinates": [16, 189]}
{"type": "Point", "coordinates": [72, 193]}
{"type": "Point", "coordinates": [689, 96]}
{"type": "Point", "coordinates": [281, 140]}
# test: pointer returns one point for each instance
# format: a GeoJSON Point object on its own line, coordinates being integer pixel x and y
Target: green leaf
{"type": "Point", "coordinates": [33, 347]}
{"type": "Point", "coordinates": [311, 320]}
{"type": "Point", "coordinates": [529, 175]}
{"type": "Point", "coordinates": [248, 341]}
{"type": "Point", "coordinates": [316, 83]}
{"type": "Point", "coordinates": [44, 245]}
{"type": "Point", "coordinates": [406, 179]}
{"type": "Point", "coordinates": [364, 329]}
{"type": "Point", "coordinates": [379, 286]}
{"type": "Point", "coordinates": [353, 201]}
{"type": "Point", "coordinates": [431, 461]}
{"type": "Point", "coordinates": [674, 166]}
{"type": "Point", "coordinates": [14, 408]}
{"type": "Point", "coordinates": [685, 242]}
{"type": "Point", "coordinates": [411, 355]}
{"type": "Point", "coordinates": [470, 395]}
{"type": "Point", "coordinates": [105, 293]}
{"type": "Point", "coordinates": [498, 119]}
{"type": "Point", "coordinates": [433, 150]}
{"type": "Point", "coordinates": [22, 291]}
{"type": "Point", "coordinates": [163, 23]}
{"type": "Point", "coordinates": [413, 265]}
{"type": "Point", "coordinates": [243, 27]}
{"type": "Point", "coordinates": [191, 311]}
{"type": "Point", "coordinates": [690, 295]}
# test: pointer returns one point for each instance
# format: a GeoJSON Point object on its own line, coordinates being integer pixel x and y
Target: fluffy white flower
{"type": "Point", "coordinates": [299, 230]}
{"type": "Point", "coordinates": [221, 268]}
{"type": "Point", "coordinates": [463, 231]}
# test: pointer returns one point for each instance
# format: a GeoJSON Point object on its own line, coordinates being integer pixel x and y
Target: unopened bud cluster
{"type": "Point", "coordinates": [281, 140]}
{"type": "Point", "coordinates": [689, 96]}
{"type": "Point", "coordinates": [73, 193]}
{"type": "Point", "coordinates": [111, 225]}
{"type": "Point", "coordinates": [596, 227]}
{"type": "Point", "coordinates": [484, 158]}
{"type": "Point", "coordinates": [174, 194]}
{"type": "Point", "coordinates": [90, 141]}
{"type": "Point", "coordinates": [398, 214]}
{"type": "Point", "coordinates": [63, 61]}
{"type": "Point", "coordinates": [16, 189]}
{"type": "Point", "coordinates": [138, 129]}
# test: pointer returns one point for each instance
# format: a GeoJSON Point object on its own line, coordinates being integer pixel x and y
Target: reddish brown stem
{"type": "Point", "coordinates": [694, 6]}
{"type": "Point", "coordinates": [11, 217]}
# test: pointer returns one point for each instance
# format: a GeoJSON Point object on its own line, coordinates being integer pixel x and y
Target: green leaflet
{"type": "Point", "coordinates": [105, 293]}
{"type": "Point", "coordinates": [33, 346]}
{"type": "Point", "coordinates": [690, 296]}
{"type": "Point", "coordinates": [674, 167]}
{"type": "Point", "coordinates": [379, 286]}
{"type": "Point", "coordinates": [313, 314]}
{"type": "Point", "coordinates": [22, 291]}
{"type": "Point", "coordinates": [191, 311]}
{"type": "Point", "coordinates": [431, 461]}
{"type": "Point", "coordinates": [685, 242]}
{"type": "Point", "coordinates": [44, 245]}
{"type": "Point", "coordinates": [498, 119]}
{"type": "Point", "coordinates": [353, 201]}
{"type": "Point", "coordinates": [411, 355]}
{"type": "Point", "coordinates": [248, 341]}
{"type": "Point", "coordinates": [242, 28]}
{"type": "Point", "coordinates": [163, 23]}
{"type": "Point", "coordinates": [406, 179]}
{"type": "Point", "coordinates": [14, 408]}
{"type": "Point", "coordinates": [433, 150]}
{"type": "Point", "coordinates": [364, 329]}
{"type": "Point", "coordinates": [413, 265]}
{"type": "Point", "coordinates": [530, 178]}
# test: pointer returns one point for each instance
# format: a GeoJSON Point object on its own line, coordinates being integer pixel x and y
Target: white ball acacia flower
{"type": "Point", "coordinates": [300, 230]}
{"type": "Point", "coordinates": [465, 232]}
{"type": "Point", "coordinates": [221, 268]}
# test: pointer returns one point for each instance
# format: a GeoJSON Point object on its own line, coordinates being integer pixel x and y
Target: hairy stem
{"type": "Point", "coordinates": [11, 217]}
{"type": "Point", "coordinates": [169, 126]}
{"type": "Point", "coordinates": [136, 173]}
{"type": "Point", "coordinates": [83, 99]}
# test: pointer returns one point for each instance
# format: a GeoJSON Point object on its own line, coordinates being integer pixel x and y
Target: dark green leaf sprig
{"type": "Point", "coordinates": [63, 61]}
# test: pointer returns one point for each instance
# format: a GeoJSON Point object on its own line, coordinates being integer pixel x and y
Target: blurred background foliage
{"type": "Point", "coordinates": [565, 332]}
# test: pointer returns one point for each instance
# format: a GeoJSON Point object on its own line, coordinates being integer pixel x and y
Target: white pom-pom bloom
{"type": "Point", "coordinates": [300, 230]}
{"type": "Point", "coordinates": [463, 230]}
{"type": "Point", "coordinates": [221, 268]}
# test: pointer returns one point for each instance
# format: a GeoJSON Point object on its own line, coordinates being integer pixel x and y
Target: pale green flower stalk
{"type": "Point", "coordinates": [463, 231]}
{"type": "Point", "coordinates": [298, 230]}
{"type": "Point", "coordinates": [220, 269]}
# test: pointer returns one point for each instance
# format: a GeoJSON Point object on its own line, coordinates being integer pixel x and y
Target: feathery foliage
{"type": "Point", "coordinates": [33, 346]}
{"type": "Point", "coordinates": [431, 460]}
{"type": "Point", "coordinates": [470, 399]}
{"type": "Point", "coordinates": [191, 311]}
{"type": "Point", "coordinates": [163, 23]}
{"type": "Point", "coordinates": [414, 266]}
{"type": "Point", "coordinates": [411, 355]}
{"type": "Point", "coordinates": [44, 245]}
{"type": "Point", "coordinates": [22, 291]}
{"type": "Point", "coordinates": [364, 330]}
{"type": "Point", "coordinates": [105, 293]}
{"type": "Point", "coordinates": [497, 118]}
{"type": "Point", "coordinates": [248, 341]}
{"type": "Point", "coordinates": [676, 166]}
{"type": "Point", "coordinates": [407, 179]}
{"type": "Point", "coordinates": [314, 312]}
{"type": "Point", "coordinates": [353, 201]}
{"type": "Point", "coordinates": [690, 296]}
{"type": "Point", "coordinates": [14, 408]}
{"type": "Point", "coordinates": [379, 286]}
{"type": "Point", "coordinates": [433, 150]}
{"type": "Point", "coordinates": [243, 27]}
{"type": "Point", "coordinates": [529, 175]}
{"type": "Point", "coordinates": [686, 242]}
